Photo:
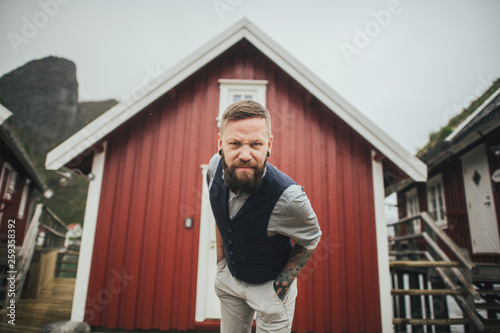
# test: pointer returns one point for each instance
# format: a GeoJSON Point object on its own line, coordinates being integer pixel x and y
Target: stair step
{"type": "Point", "coordinates": [489, 291]}
{"type": "Point", "coordinates": [492, 324]}
{"type": "Point", "coordinates": [404, 237]}
{"type": "Point", "coordinates": [427, 292]}
{"type": "Point", "coordinates": [440, 322]}
{"type": "Point", "coordinates": [488, 306]}
{"type": "Point", "coordinates": [486, 273]}
{"type": "Point", "coordinates": [423, 263]}
{"type": "Point", "coordinates": [405, 253]}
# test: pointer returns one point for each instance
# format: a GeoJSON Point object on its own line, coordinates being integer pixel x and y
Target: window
{"type": "Point", "coordinates": [412, 208]}
{"type": "Point", "coordinates": [24, 199]}
{"type": "Point", "coordinates": [435, 199]}
{"type": "Point", "coordinates": [232, 91]}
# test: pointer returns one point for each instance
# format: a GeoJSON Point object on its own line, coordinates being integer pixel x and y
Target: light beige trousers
{"type": "Point", "coordinates": [240, 301]}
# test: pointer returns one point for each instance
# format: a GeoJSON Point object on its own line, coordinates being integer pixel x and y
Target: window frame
{"type": "Point", "coordinates": [230, 87]}
{"type": "Point", "coordinates": [417, 228]}
{"type": "Point", "coordinates": [433, 183]}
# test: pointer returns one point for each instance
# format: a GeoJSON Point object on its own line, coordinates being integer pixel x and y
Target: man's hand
{"type": "Point", "coordinates": [296, 262]}
{"type": "Point", "coordinates": [219, 245]}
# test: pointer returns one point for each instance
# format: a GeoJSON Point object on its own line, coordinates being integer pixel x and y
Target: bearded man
{"type": "Point", "coordinates": [258, 211]}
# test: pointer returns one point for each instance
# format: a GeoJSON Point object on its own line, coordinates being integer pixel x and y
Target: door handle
{"type": "Point", "coordinates": [487, 203]}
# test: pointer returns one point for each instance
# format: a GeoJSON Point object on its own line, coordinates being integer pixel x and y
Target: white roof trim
{"type": "Point", "coordinates": [4, 114]}
{"type": "Point", "coordinates": [471, 117]}
{"type": "Point", "coordinates": [120, 113]}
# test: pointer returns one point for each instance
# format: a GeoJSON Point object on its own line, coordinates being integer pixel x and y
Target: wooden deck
{"type": "Point", "coordinates": [53, 304]}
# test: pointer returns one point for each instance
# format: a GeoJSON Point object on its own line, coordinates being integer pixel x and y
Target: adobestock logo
{"type": "Point", "coordinates": [30, 27]}
{"type": "Point", "coordinates": [223, 6]}
{"type": "Point", "coordinates": [371, 30]}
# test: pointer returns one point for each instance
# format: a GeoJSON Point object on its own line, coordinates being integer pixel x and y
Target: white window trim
{"type": "Point", "coordinates": [416, 224]}
{"type": "Point", "coordinates": [432, 182]}
{"type": "Point", "coordinates": [24, 200]}
{"type": "Point", "coordinates": [227, 87]}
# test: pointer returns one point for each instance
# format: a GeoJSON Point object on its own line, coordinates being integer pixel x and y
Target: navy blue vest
{"type": "Point", "coordinates": [252, 256]}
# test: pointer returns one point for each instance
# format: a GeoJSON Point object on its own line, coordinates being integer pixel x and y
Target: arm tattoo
{"type": "Point", "coordinates": [296, 262]}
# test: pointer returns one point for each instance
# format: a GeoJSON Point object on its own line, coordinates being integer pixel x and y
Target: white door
{"type": "Point", "coordinates": [207, 302]}
{"type": "Point", "coordinates": [480, 205]}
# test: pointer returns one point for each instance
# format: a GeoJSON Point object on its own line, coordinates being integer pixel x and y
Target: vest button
{"type": "Point", "coordinates": [234, 272]}
{"type": "Point", "coordinates": [231, 252]}
{"type": "Point", "coordinates": [232, 262]}
{"type": "Point", "coordinates": [229, 230]}
{"type": "Point", "coordinates": [230, 241]}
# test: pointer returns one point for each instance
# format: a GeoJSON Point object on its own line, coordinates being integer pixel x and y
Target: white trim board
{"type": "Point", "coordinates": [88, 236]}
{"type": "Point", "coordinates": [243, 29]}
{"type": "Point", "coordinates": [384, 275]}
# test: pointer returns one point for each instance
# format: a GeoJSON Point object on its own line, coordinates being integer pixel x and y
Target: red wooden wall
{"type": "Point", "coordinates": [11, 209]}
{"type": "Point", "coordinates": [144, 264]}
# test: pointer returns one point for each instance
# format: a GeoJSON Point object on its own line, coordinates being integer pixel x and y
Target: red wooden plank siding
{"type": "Point", "coordinates": [152, 182]}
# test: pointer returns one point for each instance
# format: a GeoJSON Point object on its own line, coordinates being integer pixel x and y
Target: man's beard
{"type": "Point", "coordinates": [239, 181]}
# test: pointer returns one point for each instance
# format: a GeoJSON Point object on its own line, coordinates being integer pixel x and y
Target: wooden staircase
{"type": "Point", "coordinates": [426, 268]}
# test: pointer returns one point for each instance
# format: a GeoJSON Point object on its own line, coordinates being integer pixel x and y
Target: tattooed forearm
{"type": "Point", "coordinates": [296, 262]}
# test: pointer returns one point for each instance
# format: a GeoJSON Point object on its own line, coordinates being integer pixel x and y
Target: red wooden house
{"type": "Point", "coordinates": [19, 181]}
{"type": "Point", "coordinates": [147, 257]}
{"type": "Point", "coordinates": [462, 193]}
{"type": "Point", "coordinates": [462, 198]}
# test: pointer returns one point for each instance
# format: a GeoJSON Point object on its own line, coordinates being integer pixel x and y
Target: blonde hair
{"type": "Point", "coordinates": [244, 110]}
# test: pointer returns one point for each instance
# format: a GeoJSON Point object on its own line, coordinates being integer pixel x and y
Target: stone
{"type": "Point", "coordinates": [67, 327]}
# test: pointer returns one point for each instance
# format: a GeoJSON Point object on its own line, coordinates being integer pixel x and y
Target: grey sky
{"type": "Point", "coordinates": [423, 59]}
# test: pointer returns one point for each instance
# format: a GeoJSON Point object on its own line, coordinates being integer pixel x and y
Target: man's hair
{"type": "Point", "coordinates": [244, 110]}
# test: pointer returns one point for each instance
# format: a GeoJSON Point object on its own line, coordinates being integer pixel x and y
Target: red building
{"type": "Point", "coordinates": [19, 181]}
{"type": "Point", "coordinates": [462, 193]}
{"type": "Point", "coordinates": [147, 258]}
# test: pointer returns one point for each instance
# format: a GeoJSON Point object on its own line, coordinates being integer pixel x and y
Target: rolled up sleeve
{"type": "Point", "coordinates": [294, 217]}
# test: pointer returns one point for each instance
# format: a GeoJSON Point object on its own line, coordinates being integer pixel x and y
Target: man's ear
{"type": "Point", "coordinates": [270, 144]}
{"type": "Point", "coordinates": [219, 141]}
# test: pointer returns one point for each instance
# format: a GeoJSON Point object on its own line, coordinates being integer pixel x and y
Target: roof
{"type": "Point", "coordinates": [483, 117]}
{"type": "Point", "coordinates": [244, 29]}
{"type": "Point", "coordinates": [481, 121]}
{"type": "Point", "coordinates": [486, 113]}
{"type": "Point", "coordinates": [15, 145]}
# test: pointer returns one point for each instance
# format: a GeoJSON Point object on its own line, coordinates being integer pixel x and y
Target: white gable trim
{"type": "Point", "coordinates": [117, 115]}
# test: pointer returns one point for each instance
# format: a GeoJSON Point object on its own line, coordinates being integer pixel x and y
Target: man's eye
{"type": "Point", "coordinates": [256, 144]}
{"type": "Point", "coordinates": [234, 144]}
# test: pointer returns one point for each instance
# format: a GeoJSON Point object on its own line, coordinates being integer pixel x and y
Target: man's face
{"type": "Point", "coordinates": [245, 144]}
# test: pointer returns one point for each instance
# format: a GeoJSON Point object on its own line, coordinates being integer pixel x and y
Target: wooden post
{"type": "Point", "coordinates": [416, 302]}
{"type": "Point", "coordinates": [440, 306]}
{"type": "Point", "coordinates": [401, 302]}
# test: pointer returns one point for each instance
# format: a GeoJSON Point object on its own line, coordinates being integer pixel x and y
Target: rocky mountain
{"type": "Point", "coordinates": [43, 97]}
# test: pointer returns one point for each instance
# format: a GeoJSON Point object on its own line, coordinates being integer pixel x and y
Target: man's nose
{"type": "Point", "coordinates": [245, 154]}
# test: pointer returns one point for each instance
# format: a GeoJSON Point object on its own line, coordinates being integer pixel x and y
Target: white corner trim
{"type": "Point", "coordinates": [88, 236]}
{"type": "Point", "coordinates": [384, 275]}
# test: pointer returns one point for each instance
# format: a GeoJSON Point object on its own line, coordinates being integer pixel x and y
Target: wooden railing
{"type": "Point", "coordinates": [55, 230]}
{"type": "Point", "coordinates": [413, 250]}
{"type": "Point", "coordinates": [55, 234]}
